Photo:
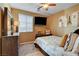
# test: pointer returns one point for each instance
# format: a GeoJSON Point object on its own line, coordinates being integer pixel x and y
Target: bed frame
{"type": "Point", "coordinates": [42, 51]}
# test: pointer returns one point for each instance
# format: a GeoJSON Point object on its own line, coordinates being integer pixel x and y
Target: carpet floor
{"type": "Point", "coordinates": [29, 50]}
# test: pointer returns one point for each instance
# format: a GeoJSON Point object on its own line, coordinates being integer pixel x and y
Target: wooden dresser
{"type": "Point", "coordinates": [1, 22]}
{"type": "Point", "coordinates": [9, 45]}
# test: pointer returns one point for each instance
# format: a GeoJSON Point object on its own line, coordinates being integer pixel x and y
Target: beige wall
{"type": "Point", "coordinates": [26, 36]}
{"type": "Point", "coordinates": [52, 21]}
{"type": "Point", "coordinates": [42, 29]}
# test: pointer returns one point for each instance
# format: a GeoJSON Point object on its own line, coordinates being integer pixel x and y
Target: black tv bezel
{"type": "Point", "coordinates": [41, 19]}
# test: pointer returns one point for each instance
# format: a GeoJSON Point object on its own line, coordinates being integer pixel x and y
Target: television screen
{"type": "Point", "coordinates": [40, 20]}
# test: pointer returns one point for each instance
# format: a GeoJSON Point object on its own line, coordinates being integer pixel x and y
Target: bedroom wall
{"type": "Point", "coordinates": [41, 28]}
{"type": "Point", "coordinates": [26, 36]}
{"type": "Point", "coordinates": [52, 21]}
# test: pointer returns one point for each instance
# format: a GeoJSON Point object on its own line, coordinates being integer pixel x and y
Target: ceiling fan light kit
{"type": "Point", "coordinates": [45, 6]}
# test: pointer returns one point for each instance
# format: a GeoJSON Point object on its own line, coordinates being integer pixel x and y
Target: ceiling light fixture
{"type": "Point", "coordinates": [45, 6]}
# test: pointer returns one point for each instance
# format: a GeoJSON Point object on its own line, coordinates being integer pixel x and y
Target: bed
{"type": "Point", "coordinates": [49, 45]}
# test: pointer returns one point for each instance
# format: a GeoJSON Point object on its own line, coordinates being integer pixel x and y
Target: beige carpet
{"type": "Point", "coordinates": [29, 50]}
{"type": "Point", "coordinates": [35, 54]}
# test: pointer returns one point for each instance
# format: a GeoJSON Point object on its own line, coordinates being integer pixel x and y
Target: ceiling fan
{"type": "Point", "coordinates": [45, 6]}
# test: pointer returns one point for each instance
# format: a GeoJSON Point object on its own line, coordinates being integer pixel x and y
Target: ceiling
{"type": "Point", "coordinates": [33, 7]}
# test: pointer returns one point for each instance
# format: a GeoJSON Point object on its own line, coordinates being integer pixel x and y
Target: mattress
{"type": "Point", "coordinates": [48, 40]}
{"type": "Point", "coordinates": [50, 44]}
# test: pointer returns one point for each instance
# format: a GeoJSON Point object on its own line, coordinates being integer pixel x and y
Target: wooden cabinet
{"type": "Point", "coordinates": [0, 47]}
{"type": "Point", "coordinates": [1, 19]}
{"type": "Point", "coordinates": [9, 45]}
{"type": "Point", "coordinates": [0, 31]}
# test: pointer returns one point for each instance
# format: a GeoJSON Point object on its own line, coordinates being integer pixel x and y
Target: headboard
{"type": "Point", "coordinates": [76, 31]}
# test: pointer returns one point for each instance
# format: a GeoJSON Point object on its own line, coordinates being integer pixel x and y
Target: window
{"type": "Point", "coordinates": [25, 23]}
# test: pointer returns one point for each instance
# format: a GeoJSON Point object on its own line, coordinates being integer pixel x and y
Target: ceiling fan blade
{"type": "Point", "coordinates": [43, 3]}
{"type": "Point", "coordinates": [39, 8]}
{"type": "Point", "coordinates": [52, 4]}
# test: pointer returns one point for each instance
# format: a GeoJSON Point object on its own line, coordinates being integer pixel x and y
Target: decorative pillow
{"type": "Point", "coordinates": [67, 41]}
{"type": "Point", "coordinates": [63, 40]}
{"type": "Point", "coordinates": [73, 38]}
{"type": "Point", "coordinates": [76, 46]}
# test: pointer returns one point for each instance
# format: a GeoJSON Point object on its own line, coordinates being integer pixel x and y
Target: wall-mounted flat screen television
{"type": "Point", "coordinates": [40, 20]}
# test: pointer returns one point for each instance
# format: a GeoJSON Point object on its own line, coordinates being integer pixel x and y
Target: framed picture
{"type": "Point", "coordinates": [74, 19]}
{"type": "Point", "coordinates": [62, 21]}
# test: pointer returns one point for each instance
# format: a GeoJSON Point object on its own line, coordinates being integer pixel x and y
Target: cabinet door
{"type": "Point", "coordinates": [6, 46]}
{"type": "Point", "coordinates": [9, 46]}
{"type": "Point", "coordinates": [14, 46]}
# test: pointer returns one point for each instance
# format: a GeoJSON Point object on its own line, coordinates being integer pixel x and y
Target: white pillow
{"type": "Point", "coordinates": [75, 48]}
